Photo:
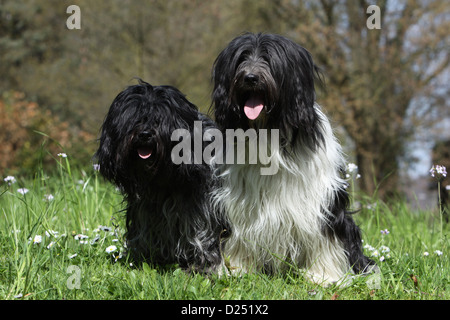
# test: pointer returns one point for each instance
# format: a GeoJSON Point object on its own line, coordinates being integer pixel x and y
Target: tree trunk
{"type": "Point", "coordinates": [378, 169]}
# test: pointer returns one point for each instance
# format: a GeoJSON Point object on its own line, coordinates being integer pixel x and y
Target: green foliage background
{"type": "Point", "coordinates": [382, 85]}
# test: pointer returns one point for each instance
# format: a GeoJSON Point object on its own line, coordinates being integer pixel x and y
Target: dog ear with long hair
{"type": "Point", "coordinates": [111, 153]}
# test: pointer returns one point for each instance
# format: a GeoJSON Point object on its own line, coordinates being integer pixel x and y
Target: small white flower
{"type": "Point", "coordinates": [438, 171]}
{"type": "Point", "coordinates": [96, 167]}
{"type": "Point", "coordinates": [371, 206]}
{"type": "Point", "coordinates": [351, 167]}
{"type": "Point", "coordinates": [51, 244]}
{"type": "Point", "coordinates": [382, 258]}
{"type": "Point", "coordinates": [115, 240]}
{"type": "Point", "coordinates": [369, 247]}
{"type": "Point", "coordinates": [48, 197]}
{"type": "Point", "coordinates": [447, 187]}
{"type": "Point", "coordinates": [73, 256]}
{"type": "Point", "coordinates": [119, 256]}
{"type": "Point", "coordinates": [438, 252]}
{"type": "Point", "coordinates": [80, 237]}
{"type": "Point", "coordinates": [51, 233]}
{"type": "Point", "coordinates": [37, 239]}
{"type": "Point", "coordinates": [62, 155]}
{"type": "Point", "coordinates": [426, 254]}
{"type": "Point", "coordinates": [22, 191]}
{"type": "Point", "coordinates": [10, 180]}
{"type": "Point", "coordinates": [111, 249]}
{"type": "Point", "coordinates": [441, 170]}
{"type": "Point", "coordinates": [375, 253]}
{"type": "Point", "coordinates": [385, 249]}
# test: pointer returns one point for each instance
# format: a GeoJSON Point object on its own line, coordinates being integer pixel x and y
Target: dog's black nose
{"type": "Point", "coordinates": [144, 135]}
{"type": "Point", "coordinates": [251, 79]}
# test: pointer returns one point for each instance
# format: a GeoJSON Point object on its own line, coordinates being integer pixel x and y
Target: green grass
{"type": "Point", "coordinates": [83, 201]}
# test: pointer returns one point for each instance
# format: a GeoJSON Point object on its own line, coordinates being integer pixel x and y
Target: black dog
{"type": "Point", "coordinates": [298, 214]}
{"type": "Point", "coordinates": [169, 218]}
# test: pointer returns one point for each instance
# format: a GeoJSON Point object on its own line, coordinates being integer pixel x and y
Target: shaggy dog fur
{"type": "Point", "coordinates": [297, 216]}
{"type": "Point", "coordinates": [169, 218]}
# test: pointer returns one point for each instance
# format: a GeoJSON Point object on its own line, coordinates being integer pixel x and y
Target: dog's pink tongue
{"type": "Point", "coordinates": [253, 107]}
{"type": "Point", "coordinates": [144, 152]}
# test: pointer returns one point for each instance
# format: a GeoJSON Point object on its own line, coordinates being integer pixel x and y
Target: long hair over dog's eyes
{"type": "Point", "coordinates": [243, 57]}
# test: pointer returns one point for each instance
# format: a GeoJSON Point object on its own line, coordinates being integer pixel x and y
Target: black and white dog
{"type": "Point", "coordinates": [169, 218]}
{"type": "Point", "coordinates": [296, 216]}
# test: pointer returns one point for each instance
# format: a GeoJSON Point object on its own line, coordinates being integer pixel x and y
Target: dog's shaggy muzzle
{"type": "Point", "coordinates": [145, 144]}
{"type": "Point", "coordinates": [254, 89]}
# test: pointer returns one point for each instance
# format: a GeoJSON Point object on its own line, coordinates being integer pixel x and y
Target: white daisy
{"type": "Point", "coordinates": [111, 249]}
{"type": "Point", "coordinates": [37, 239]}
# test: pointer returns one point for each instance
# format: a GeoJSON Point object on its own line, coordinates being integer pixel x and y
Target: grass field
{"type": "Point", "coordinates": [61, 238]}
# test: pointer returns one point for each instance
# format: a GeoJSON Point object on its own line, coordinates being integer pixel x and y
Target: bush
{"type": "Point", "coordinates": [25, 128]}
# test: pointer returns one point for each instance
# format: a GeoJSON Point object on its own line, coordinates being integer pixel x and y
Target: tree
{"type": "Point", "coordinates": [375, 76]}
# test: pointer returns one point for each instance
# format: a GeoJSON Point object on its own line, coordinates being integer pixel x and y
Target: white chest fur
{"type": "Point", "coordinates": [277, 220]}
